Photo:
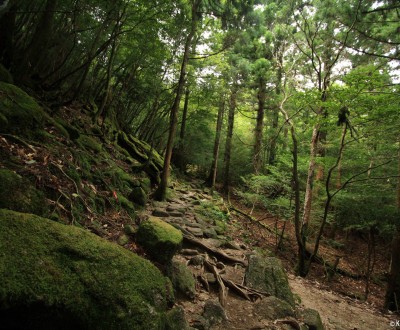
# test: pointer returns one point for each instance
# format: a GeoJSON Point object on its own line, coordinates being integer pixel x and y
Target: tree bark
{"type": "Point", "coordinates": [214, 165]}
{"type": "Point", "coordinates": [229, 134]}
{"type": "Point", "coordinates": [257, 157]}
{"type": "Point", "coordinates": [160, 194]}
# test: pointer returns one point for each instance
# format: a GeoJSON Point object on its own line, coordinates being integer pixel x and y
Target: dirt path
{"type": "Point", "coordinates": [337, 312]}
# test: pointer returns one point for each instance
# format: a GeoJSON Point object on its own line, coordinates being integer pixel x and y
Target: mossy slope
{"type": "Point", "coordinates": [64, 276]}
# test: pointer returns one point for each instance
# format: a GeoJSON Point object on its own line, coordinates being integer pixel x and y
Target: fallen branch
{"type": "Point", "coordinates": [216, 252]}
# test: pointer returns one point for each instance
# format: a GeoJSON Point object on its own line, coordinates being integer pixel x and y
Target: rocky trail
{"type": "Point", "coordinates": [226, 295]}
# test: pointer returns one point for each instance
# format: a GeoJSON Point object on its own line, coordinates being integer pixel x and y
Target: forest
{"type": "Point", "coordinates": [286, 108]}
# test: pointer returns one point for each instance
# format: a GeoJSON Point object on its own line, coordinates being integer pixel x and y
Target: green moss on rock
{"type": "Point", "coordinates": [182, 279]}
{"type": "Point", "coordinates": [54, 274]}
{"type": "Point", "coordinates": [89, 143]}
{"type": "Point", "coordinates": [22, 112]}
{"type": "Point", "coordinates": [17, 193]}
{"type": "Point", "coordinates": [160, 240]}
{"type": "Point", "coordinates": [267, 274]}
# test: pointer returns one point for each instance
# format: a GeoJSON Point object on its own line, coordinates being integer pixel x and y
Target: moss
{"type": "Point", "coordinates": [160, 240]}
{"type": "Point", "coordinates": [182, 279]}
{"type": "Point", "coordinates": [126, 204]}
{"type": "Point", "coordinates": [119, 177]}
{"type": "Point", "coordinates": [22, 112]}
{"type": "Point", "coordinates": [89, 143]}
{"type": "Point", "coordinates": [90, 283]}
{"type": "Point", "coordinates": [16, 193]}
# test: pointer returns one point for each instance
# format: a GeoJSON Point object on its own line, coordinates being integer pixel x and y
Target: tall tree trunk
{"type": "Point", "coordinates": [257, 158]}
{"type": "Point", "coordinates": [214, 165]}
{"type": "Point", "coordinates": [275, 115]}
{"type": "Point", "coordinates": [229, 134]}
{"type": "Point", "coordinates": [178, 157]}
{"type": "Point", "coordinates": [160, 194]}
{"type": "Point", "coordinates": [295, 187]}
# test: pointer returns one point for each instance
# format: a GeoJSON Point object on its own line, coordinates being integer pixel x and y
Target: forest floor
{"type": "Point", "coordinates": [335, 300]}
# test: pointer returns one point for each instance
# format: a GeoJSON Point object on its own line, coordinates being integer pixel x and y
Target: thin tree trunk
{"type": "Point", "coordinates": [160, 194]}
{"type": "Point", "coordinates": [214, 165]}
{"type": "Point", "coordinates": [178, 157]}
{"type": "Point", "coordinates": [257, 158]}
{"type": "Point", "coordinates": [228, 143]}
{"type": "Point", "coordinates": [296, 189]}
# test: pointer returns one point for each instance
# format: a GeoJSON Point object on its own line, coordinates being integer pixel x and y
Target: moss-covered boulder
{"type": "Point", "coordinates": [23, 115]}
{"type": "Point", "coordinates": [55, 276]}
{"type": "Point", "coordinates": [160, 240]}
{"type": "Point", "coordinates": [267, 274]}
{"type": "Point", "coordinates": [138, 196]}
{"type": "Point", "coordinates": [17, 193]}
{"type": "Point", "coordinates": [272, 308]}
{"type": "Point", "coordinates": [182, 279]}
{"type": "Point", "coordinates": [312, 319]}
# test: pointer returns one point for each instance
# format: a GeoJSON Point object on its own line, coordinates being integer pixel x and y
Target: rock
{"type": "Point", "coordinates": [189, 252]}
{"type": "Point", "coordinates": [232, 245]}
{"type": "Point", "coordinates": [267, 274]}
{"type": "Point", "coordinates": [18, 194]}
{"type": "Point", "coordinates": [182, 279]}
{"type": "Point", "coordinates": [197, 260]}
{"type": "Point", "coordinates": [160, 213]}
{"type": "Point", "coordinates": [195, 231]}
{"type": "Point", "coordinates": [200, 322]}
{"type": "Point", "coordinates": [138, 196]}
{"type": "Point", "coordinates": [176, 208]}
{"type": "Point", "coordinates": [176, 214]}
{"type": "Point", "coordinates": [175, 319]}
{"type": "Point", "coordinates": [312, 319]}
{"type": "Point", "coordinates": [214, 313]}
{"type": "Point", "coordinates": [159, 239]}
{"type": "Point", "coordinates": [210, 233]}
{"type": "Point", "coordinates": [23, 115]}
{"type": "Point", "coordinates": [272, 308]}
{"type": "Point", "coordinates": [55, 275]}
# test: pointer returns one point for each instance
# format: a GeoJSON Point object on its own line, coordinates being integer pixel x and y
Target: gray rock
{"type": "Point", "coordinates": [175, 319]}
{"type": "Point", "coordinates": [272, 308]}
{"type": "Point", "coordinates": [267, 274]}
{"type": "Point", "coordinates": [211, 278]}
{"type": "Point", "coordinates": [214, 313]}
{"type": "Point", "coordinates": [195, 231]}
{"type": "Point", "coordinates": [312, 319]}
{"type": "Point", "coordinates": [210, 233]}
{"type": "Point", "coordinates": [160, 213]}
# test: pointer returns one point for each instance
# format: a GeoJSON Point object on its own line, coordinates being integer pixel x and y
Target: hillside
{"type": "Point", "coordinates": [61, 166]}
